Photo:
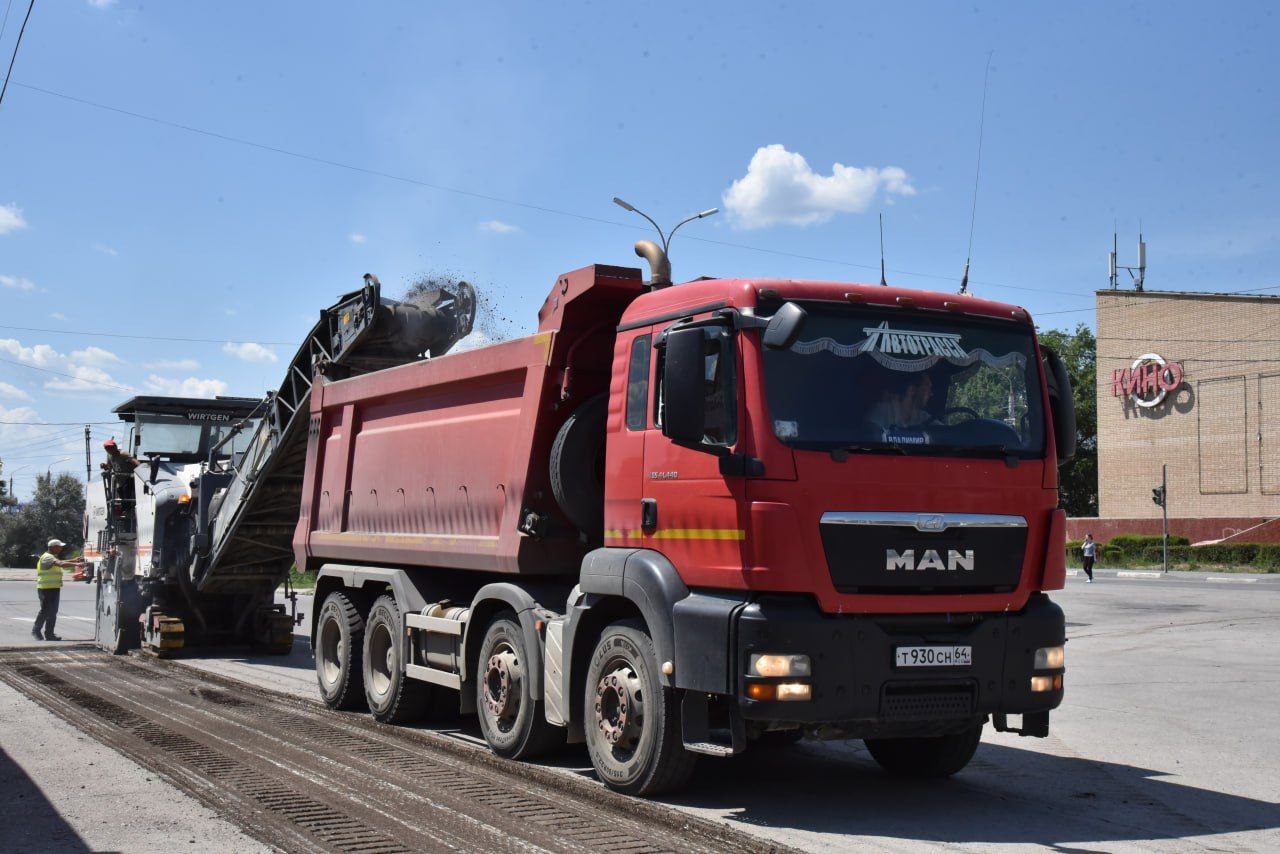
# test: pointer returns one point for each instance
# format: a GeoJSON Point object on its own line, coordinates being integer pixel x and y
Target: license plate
{"type": "Point", "coordinates": [933, 656]}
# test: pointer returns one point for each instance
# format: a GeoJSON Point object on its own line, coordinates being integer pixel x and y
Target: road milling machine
{"type": "Point", "coordinates": [192, 525]}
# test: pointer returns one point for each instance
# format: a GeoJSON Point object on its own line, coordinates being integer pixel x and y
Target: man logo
{"type": "Point", "coordinates": [906, 561]}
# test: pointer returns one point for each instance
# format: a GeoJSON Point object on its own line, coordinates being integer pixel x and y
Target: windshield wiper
{"type": "Point", "coordinates": [840, 453]}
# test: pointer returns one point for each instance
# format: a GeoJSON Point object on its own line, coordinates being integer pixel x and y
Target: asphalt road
{"type": "Point", "coordinates": [1169, 738]}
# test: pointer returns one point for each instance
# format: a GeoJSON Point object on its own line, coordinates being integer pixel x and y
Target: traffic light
{"type": "Point", "coordinates": [1157, 496]}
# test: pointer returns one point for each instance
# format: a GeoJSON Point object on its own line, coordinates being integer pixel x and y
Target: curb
{"type": "Point", "coordinates": [1180, 575]}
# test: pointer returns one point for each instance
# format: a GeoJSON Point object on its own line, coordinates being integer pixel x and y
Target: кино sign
{"type": "Point", "coordinates": [1148, 381]}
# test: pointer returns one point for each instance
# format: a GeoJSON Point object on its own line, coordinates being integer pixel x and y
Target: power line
{"type": "Point", "coordinates": [16, 45]}
{"type": "Point", "coordinates": [69, 376]}
{"type": "Point", "coordinates": [5, 24]}
{"type": "Point", "coordinates": [546, 209]}
{"type": "Point", "coordinates": [143, 337]}
{"type": "Point", "coordinates": [59, 423]}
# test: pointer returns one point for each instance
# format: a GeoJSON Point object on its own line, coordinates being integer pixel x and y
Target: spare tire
{"type": "Point", "coordinates": [577, 466]}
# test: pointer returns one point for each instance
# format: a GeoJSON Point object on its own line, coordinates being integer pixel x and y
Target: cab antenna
{"type": "Point", "coordinates": [882, 280]}
{"type": "Point", "coordinates": [977, 173]}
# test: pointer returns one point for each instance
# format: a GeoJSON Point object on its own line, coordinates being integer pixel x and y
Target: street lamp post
{"type": "Point", "coordinates": [666, 237]}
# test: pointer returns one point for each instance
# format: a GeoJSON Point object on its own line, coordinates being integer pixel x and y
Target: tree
{"type": "Point", "coordinates": [1078, 479]}
{"type": "Point", "coordinates": [5, 497]}
{"type": "Point", "coordinates": [55, 511]}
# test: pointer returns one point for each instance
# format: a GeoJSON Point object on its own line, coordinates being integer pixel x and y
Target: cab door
{"type": "Point", "coordinates": [694, 515]}
{"type": "Point", "coordinates": [628, 423]}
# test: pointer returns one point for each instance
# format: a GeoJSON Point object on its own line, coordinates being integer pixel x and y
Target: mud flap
{"type": "Point", "coordinates": [695, 724]}
{"type": "Point", "coordinates": [1034, 724]}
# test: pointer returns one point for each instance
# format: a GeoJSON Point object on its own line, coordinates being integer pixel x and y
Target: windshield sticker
{"type": "Point", "coordinates": [786, 429]}
{"type": "Point", "coordinates": [882, 339]}
{"type": "Point", "coordinates": [909, 351]}
{"type": "Point", "coordinates": [902, 437]}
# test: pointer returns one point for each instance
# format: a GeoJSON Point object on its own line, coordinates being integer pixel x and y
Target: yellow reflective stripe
{"type": "Point", "coordinates": [681, 534]}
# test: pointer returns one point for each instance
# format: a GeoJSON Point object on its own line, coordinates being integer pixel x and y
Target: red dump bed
{"type": "Point", "coordinates": [438, 463]}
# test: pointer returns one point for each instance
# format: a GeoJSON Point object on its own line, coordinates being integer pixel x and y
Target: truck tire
{"type": "Point", "coordinates": [339, 642]}
{"type": "Point", "coordinates": [391, 695]}
{"type": "Point", "coordinates": [577, 466]}
{"type": "Point", "coordinates": [511, 719]}
{"type": "Point", "coordinates": [632, 722]}
{"type": "Point", "coordinates": [926, 757]}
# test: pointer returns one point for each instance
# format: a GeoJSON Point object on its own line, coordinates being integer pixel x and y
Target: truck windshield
{"type": "Point", "coordinates": [890, 381]}
{"type": "Point", "coordinates": [176, 437]}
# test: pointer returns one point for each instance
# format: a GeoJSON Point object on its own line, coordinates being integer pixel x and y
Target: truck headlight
{"type": "Point", "coordinates": [776, 666]}
{"type": "Point", "coordinates": [1050, 658]}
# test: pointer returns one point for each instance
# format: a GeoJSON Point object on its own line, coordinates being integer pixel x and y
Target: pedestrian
{"type": "Point", "coordinates": [49, 589]}
{"type": "Point", "coordinates": [1088, 548]}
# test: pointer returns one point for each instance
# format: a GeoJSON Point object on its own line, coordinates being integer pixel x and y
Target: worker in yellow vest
{"type": "Point", "coordinates": [49, 589]}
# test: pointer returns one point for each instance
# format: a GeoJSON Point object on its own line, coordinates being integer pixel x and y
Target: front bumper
{"type": "Point", "coordinates": [856, 686]}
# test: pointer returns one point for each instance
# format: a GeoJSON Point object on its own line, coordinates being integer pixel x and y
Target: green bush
{"type": "Point", "coordinates": [1139, 542]}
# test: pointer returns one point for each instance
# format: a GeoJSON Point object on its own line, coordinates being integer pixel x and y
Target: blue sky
{"type": "Point", "coordinates": [1097, 114]}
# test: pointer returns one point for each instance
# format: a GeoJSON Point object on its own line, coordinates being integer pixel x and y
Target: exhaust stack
{"type": "Point", "coordinates": [659, 263]}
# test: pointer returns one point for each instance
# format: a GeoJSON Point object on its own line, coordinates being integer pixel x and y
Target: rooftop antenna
{"type": "Point", "coordinates": [977, 173]}
{"type": "Point", "coordinates": [1137, 274]}
{"type": "Point", "coordinates": [882, 280]}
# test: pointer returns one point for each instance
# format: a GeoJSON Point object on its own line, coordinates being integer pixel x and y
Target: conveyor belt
{"type": "Point", "coordinates": [243, 542]}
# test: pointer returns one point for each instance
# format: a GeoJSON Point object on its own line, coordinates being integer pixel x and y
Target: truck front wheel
{"type": "Point", "coordinates": [510, 717]}
{"type": "Point", "coordinates": [339, 639]}
{"type": "Point", "coordinates": [632, 722]}
{"type": "Point", "coordinates": [392, 696]}
{"type": "Point", "coordinates": [926, 756]}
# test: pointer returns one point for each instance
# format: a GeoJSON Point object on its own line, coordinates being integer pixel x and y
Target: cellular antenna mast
{"type": "Point", "coordinates": [977, 173]}
{"type": "Point", "coordinates": [882, 279]}
{"type": "Point", "coordinates": [1138, 274]}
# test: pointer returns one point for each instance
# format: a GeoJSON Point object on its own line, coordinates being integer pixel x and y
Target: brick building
{"type": "Point", "coordinates": [1191, 380]}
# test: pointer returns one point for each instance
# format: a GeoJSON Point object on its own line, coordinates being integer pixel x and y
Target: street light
{"type": "Point", "coordinates": [48, 472]}
{"type": "Point", "coordinates": [666, 238]}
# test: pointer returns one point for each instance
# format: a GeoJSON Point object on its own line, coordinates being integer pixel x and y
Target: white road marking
{"type": "Point", "coordinates": [1123, 574]}
{"type": "Point", "coordinates": [1229, 578]}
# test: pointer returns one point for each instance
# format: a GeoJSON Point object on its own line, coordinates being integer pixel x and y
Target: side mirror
{"type": "Point", "coordinates": [684, 385]}
{"type": "Point", "coordinates": [784, 327]}
{"type": "Point", "coordinates": [1062, 405]}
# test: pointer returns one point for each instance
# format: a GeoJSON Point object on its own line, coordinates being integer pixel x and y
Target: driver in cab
{"type": "Point", "coordinates": [905, 406]}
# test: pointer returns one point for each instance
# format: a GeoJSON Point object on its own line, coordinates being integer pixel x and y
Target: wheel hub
{"type": "Point", "coordinates": [502, 681]}
{"type": "Point", "coordinates": [619, 706]}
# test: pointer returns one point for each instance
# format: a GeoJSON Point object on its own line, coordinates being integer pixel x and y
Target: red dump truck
{"type": "Point", "coordinates": [678, 520]}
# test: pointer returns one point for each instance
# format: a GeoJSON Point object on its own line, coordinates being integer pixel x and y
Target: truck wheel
{"type": "Point", "coordinates": [510, 717]}
{"type": "Point", "coordinates": [926, 756]}
{"type": "Point", "coordinates": [392, 696]}
{"type": "Point", "coordinates": [577, 466]}
{"type": "Point", "coordinates": [632, 722]}
{"type": "Point", "coordinates": [339, 639]}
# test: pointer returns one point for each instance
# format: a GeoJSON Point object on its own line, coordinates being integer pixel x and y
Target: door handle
{"type": "Point", "coordinates": [649, 514]}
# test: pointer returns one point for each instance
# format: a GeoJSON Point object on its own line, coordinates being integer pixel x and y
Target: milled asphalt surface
{"type": "Point", "coordinates": [1169, 738]}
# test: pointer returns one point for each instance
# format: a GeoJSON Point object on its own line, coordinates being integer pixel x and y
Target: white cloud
{"type": "Point", "coordinates": [173, 365]}
{"type": "Point", "coordinates": [356, 238]}
{"type": "Point", "coordinates": [12, 391]}
{"type": "Point", "coordinates": [11, 218]}
{"type": "Point", "coordinates": [250, 352]}
{"type": "Point", "coordinates": [94, 354]}
{"type": "Point", "coordinates": [781, 187]}
{"type": "Point", "coordinates": [102, 4]}
{"type": "Point", "coordinates": [57, 315]}
{"type": "Point", "coordinates": [229, 312]}
{"type": "Point", "coordinates": [17, 283]}
{"type": "Point", "coordinates": [497, 226]}
{"type": "Point", "coordinates": [83, 367]}
{"type": "Point", "coordinates": [11, 433]}
{"type": "Point", "coordinates": [190, 387]}
{"type": "Point", "coordinates": [105, 249]}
